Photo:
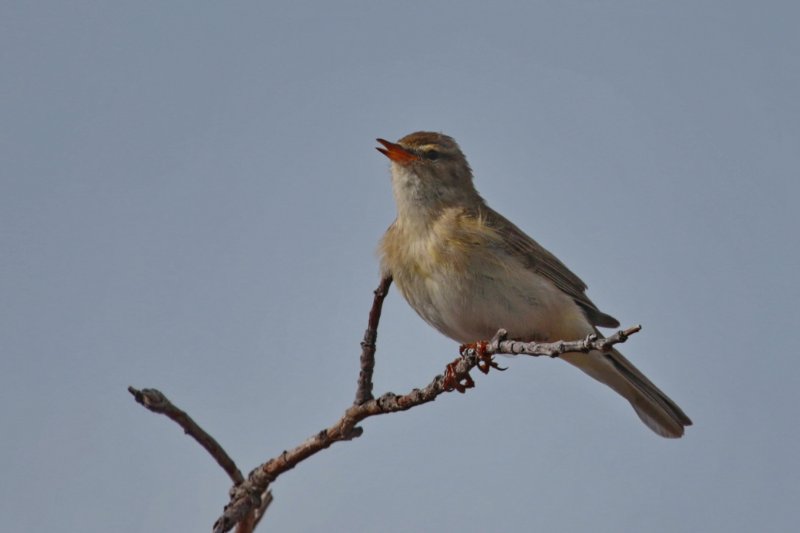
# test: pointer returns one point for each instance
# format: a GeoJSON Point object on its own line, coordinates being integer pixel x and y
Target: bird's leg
{"type": "Point", "coordinates": [451, 382]}
{"type": "Point", "coordinates": [485, 361]}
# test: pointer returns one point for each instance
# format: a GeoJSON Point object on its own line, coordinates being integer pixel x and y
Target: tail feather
{"type": "Point", "coordinates": [652, 406]}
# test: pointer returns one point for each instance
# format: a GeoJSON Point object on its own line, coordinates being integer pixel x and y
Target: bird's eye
{"type": "Point", "coordinates": [433, 155]}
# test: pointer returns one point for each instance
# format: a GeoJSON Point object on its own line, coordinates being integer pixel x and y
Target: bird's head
{"type": "Point", "coordinates": [429, 172]}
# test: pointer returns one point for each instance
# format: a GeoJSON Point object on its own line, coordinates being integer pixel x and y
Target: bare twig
{"type": "Point", "coordinates": [244, 496]}
{"type": "Point", "coordinates": [499, 344]}
{"type": "Point", "coordinates": [364, 390]}
{"type": "Point", "coordinates": [156, 402]}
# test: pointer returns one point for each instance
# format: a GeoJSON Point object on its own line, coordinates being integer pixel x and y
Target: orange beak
{"type": "Point", "coordinates": [396, 153]}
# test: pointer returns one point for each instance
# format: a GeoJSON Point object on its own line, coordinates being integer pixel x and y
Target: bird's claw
{"type": "Point", "coordinates": [452, 382]}
{"type": "Point", "coordinates": [486, 361]}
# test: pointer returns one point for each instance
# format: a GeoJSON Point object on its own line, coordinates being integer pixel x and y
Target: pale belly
{"type": "Point", "coordinates": [471, 305]}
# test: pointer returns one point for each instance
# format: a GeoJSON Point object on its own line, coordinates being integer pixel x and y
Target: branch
{"type": "Point", "coordinates": [250, 498]}
{"type": "Point", "coordinates": [364, 390]}
{"type": "Point", "coordinates": [156, 402]}
{"type": "Point", "coordinates": [245, 495]}
{"type": "Point", "coordinates": [499, 344]}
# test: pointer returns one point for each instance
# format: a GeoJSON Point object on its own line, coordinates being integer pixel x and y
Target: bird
{"type": "Point", "coordinates": [468, 271]}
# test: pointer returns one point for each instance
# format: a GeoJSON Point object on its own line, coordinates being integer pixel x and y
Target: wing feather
{"type": "Point", "coordinates": [537, 258]}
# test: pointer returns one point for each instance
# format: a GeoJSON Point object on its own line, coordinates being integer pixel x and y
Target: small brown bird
{"type": "Point", "coordinates": [468, 271]}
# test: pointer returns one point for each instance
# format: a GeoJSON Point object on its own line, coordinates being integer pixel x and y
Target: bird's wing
{"type": "Point", "coordinates": [538, 259]}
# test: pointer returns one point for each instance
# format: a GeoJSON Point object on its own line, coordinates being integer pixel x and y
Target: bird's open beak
{"type": "Point", "coordinates": [395, 152]}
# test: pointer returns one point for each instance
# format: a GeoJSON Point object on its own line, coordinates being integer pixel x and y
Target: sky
{"type": "Point", "coordinates": [190, 199]}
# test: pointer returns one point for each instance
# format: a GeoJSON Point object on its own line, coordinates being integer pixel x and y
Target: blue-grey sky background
{"type": "Point", "coordinates": [190, 199]}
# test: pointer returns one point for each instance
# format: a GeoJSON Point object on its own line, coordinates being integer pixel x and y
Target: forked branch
{"type": "Point", "coordinates": [250, 497]}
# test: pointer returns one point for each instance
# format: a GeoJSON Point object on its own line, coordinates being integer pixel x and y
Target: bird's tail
{"type": "Point", "coordinates": [654, 407]}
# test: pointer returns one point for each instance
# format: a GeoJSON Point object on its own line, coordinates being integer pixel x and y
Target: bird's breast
{"type": "Point", "coordinates": [458, 276]}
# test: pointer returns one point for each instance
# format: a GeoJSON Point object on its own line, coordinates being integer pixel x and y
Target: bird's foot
{"type": "Point", "coordinates": [486, 361]}
{"type": "Point", "coordinates": [452, 382]}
